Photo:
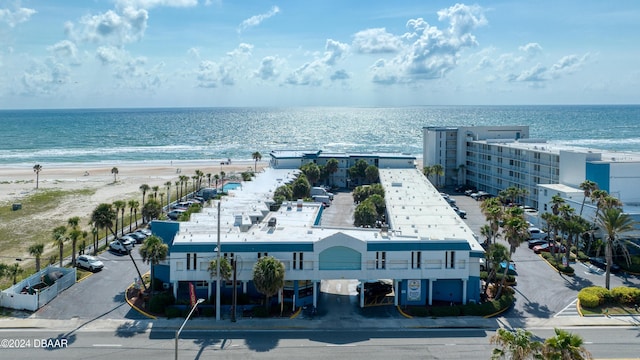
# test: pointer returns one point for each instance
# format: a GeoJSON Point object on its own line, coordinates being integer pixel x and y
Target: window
{"type": "Point", "coordinates": [262, 254]}
{"type": "Point", "coordinates": [416, 259]}
{"type": "Point", "coordinates": [179, 265]}
{"type": "Point", "coordinates": [298, 261]}
{"type": "Point", "coordinates": [189, 258]}
{"type": "Point", "coordinates": [381, 258]}
{"type": "Point", "coordinates": [450, 259]}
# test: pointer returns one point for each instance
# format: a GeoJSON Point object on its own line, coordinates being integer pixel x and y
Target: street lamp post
{"type": "Point", "coordinates": [200, 301]}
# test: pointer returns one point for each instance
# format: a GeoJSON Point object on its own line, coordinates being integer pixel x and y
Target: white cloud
{"type": "Point", "coordinates": [340, 75]}
{"type": "Point", "coordinates": [16, 16]}
{"type": "Point", "coordinates": [111, 27]}
{"type": "Point", "coordinates": [537, 73]}
{"type": "Point", "coordinates": [148, 4]}
{"type": "Point", "coordinates": [110, 55]}
{"type": "Point", "coordinates": [268, 69]}
{"type": "Point", "coordinates": [568, 64]}
{"type": "Point", "coordinates": [211, 74]}
{"type": "Point", "coordinates": [531, 49]}
{"type": "Point", "coordinates": [373, 41]}
{"type": "Point", "coordinates": [258, 19]}
{"type": "Point", "coordinates": [432, 52]}
{"type": "Point", "coordinates": [313, 73]}
{"type": "Point", "coordinates": [44, 77]}
{"type": "Point", "coordinates": [65, 49]}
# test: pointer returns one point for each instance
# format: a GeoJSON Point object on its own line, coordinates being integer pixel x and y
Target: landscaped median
{"type": "Point", "coordinates": [557, 264]}
{"type": "Point", "coordinates": [487, 309]}
{"type": "Point", "coordinates": [598, 301]}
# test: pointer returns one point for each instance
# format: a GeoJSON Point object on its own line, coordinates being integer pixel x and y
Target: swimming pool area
{"type": "Point", "coordinates": [231, 186]}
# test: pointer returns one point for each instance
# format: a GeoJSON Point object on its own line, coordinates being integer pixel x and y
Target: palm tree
{"type": "Point", "coordinates": [103, 217]}
{"type": "Point", "coordinates": [133, 205]}
{"type": "Point", "coordinates": [615, 224]}
{"type": "Point", "coordinates": [155, 190]}
{"type": "Point", "coordinates": [256, 157]}
{"type": "Point", "coordinates": [517, 345]}
{"type": "Point", "coordinates": [144, 188]}
{"type": "Point", "coordinates": [438, 171]}
{"type": "Point", "coordinates": [114, 171]}
{"type": "Point", "coordinates": [588, 187]}
{"type": "Point", "coordinates": [268, 276]}
{"type": "Point", "coordinates": [216, 177]}
{"type": "Point", "coordinates": [59, 237]}
{"type": "Point", "coordinates": [496, 254]}
{"type": "Point", "coordinates": [331, 168]}
{"type": "Point", "coordinates": [516, 230]}
{"type": "Point", "coordinates": [225, 269]}
{"type": "Point", "coordinates": [13, 271]}
{"type": "Point", "coordinates": [427, 171]}
{"type": "Point", "coordinates": [168, 185]}
{"type": "Point", "coordinates": [120, 205]}
{"type": "Point", "coordinates": [209, 179]}
{"type": "Point", "coordinates": [493, 212]}
{"type": "Point", "coordinates": [153, 250]}
{"type": "Point", "coordinates": [178, 185]}
{"type": "Point", "coordinates": [36, 169]}
{"type": "Point", "coordinates": [36, 250]}
{"type": "Point", "coordinates": [199, 176]}
{"type": "Point", "coordinates": [462, 170]}
{"type": "Point", "coordinates": [74, 235]}
{"type": "Point", "coordinates": [565, 345]}
{"type": "Point", "coordinates": [556, 202]}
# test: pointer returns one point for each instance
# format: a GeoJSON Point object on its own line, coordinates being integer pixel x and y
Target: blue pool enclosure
{"type": "Point", "coordinates": [231, 186]}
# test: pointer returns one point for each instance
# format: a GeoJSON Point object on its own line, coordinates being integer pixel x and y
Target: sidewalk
{"type": "Point", "coordinates": [326, 322]}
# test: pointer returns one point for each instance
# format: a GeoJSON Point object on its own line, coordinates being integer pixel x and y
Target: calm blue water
{"type": "Point", "coordinates": [231, 186]}
{"type": "Point", "coordinates": [63, 136]}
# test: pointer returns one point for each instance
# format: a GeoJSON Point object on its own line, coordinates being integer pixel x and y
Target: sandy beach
{"type": "Point", "coordinates": [19, 182]}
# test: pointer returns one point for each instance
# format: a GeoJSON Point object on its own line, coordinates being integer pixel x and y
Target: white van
{"type": "Point", "coordinates": [320, 191]}
{"type": "Point", "coordinates": [322, 199]}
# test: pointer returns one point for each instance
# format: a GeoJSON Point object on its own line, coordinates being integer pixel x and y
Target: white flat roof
{"type": "Point", "coordinates": [415, 208]}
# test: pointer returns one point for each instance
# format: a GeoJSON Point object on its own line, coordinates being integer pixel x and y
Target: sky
{"type": "Point", "coordinates": [373, 53]}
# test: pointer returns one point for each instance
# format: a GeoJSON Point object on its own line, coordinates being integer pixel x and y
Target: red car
{"type": "Point", "coordinates": [549, 248]}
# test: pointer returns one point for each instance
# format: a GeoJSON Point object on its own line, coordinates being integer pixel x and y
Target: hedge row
{"type": "Point", "coordinates": [594, 296]}
{"type": "Point", "coordinates": [558, 264]}
{"type": "Point", "coordinates": [484, 309]}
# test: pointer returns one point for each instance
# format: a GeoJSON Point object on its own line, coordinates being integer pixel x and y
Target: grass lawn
{"type": "Point", "coordinates": [610, 309]}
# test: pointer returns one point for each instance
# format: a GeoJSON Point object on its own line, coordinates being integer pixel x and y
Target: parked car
{"type": "Point", "coordinates": [376, 287]}
{"type": "Point", "coordinates": [549, 248]}
{"type": "Point", "coordinates": [119, 247]}
{"type": "Point", "coordinates": [128, 240]}
{"type": "Point", "coordinates": [536, 242]}
{"type": "Point", "coordinates": [138, 237]}
{"type": "Point", "coordinates": [145, 232]}
{"type": "Point", "coordinates": [535, 233]}
{"type": "Point", "coordinates": [89, 262]}
{"type": "Point", "coordinates": [461, 213]}
{"type": "Point", "coordinates": [175, 214]}
{"type": "Point", "coordinates": [480, 195]}
{"type": "Point", "coordinates": [602, 264]}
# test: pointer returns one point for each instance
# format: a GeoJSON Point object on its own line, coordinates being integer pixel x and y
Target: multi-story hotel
{"type": "Point", "coordinates": [493, 158]}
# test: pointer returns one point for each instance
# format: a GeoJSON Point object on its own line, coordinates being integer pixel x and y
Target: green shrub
{"type": "Point", "coordinates": [593, 296]}
{"type": "Point", "coordinates": [588, 299]}
{"type": "Point", "coordinates": [440, 311]}
{"type": "Point", "coordinates": [625, 295]}
{"type": "Point", "coordinates": [260, 312]}
{"type": "Point", "coordinates": [159, 302]}
{"type": "Point", "coordinates": [172, 312]}
{"type": "Point", "coordinates": [208, 311]}
{"type": "Point", "coordinates": [419, 311]}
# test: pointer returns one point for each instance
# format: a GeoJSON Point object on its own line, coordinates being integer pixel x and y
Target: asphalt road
{"type": "Point", "coordinates": [101, 295]}
{"type": "Point", "coordinates": [541, 291]}
{"type": "Point", "coordinates": [357, 344]}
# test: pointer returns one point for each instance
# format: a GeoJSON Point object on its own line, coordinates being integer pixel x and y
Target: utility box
{"type": "Point", "coordinates": [16, 206]}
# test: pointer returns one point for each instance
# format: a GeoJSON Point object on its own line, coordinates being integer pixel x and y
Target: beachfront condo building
{"type": "Point", "coordinates": [424, 249]}
{"type": "Point", "coordinates": [493, 158]}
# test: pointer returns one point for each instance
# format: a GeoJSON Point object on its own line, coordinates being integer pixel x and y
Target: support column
{"type": "Point", "coordinates": [430, 291]}
{"type": "Point", "coordinates": [361, 294]}
{"type": "Point", "coordinates": [175, 289]}
{"type": "Point", "coordinates": [396, 287]}
{"type": "Point", "coordinates": [315, 294]}
{"type": "Point", "coordinates": [464, 291]}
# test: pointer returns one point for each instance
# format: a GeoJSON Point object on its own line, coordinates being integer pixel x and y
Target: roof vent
{"type": "Point", "coordinates": [272, 222]}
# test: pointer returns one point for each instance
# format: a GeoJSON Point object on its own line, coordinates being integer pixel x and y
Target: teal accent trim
{"type": "Point", "coordinates": [600, 173]}
{"type": "Point", "coordinates": [318, 220]}
{"type": "Point", "coordinates": [475, 254]}
{"type": "Point", "coordinates": [417, 246]}
{"type": "Point", "coordinates": [340, 258]}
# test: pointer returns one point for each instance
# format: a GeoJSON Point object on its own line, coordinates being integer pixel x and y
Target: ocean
{"type": "Point", "coordinates": [123, 135]}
